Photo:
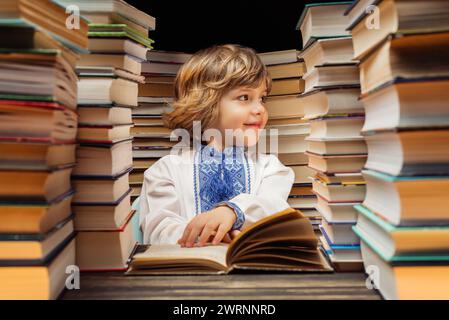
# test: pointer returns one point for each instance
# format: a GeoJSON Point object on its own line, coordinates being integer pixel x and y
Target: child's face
{"type": "Point", "coordinates": [243, 108]}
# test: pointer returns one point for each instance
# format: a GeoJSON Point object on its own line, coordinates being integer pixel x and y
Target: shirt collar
{"type": "Point", "coordinates": [228, 151]}
{"type": "Point", "coordinates": [208, 153]}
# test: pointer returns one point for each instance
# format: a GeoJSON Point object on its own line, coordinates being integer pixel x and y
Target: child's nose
{"type": "Point", "coordinates": [258, 107]}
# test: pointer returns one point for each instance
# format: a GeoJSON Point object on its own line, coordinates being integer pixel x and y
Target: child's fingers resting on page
{"type": "Point", "coordinates": [201, 242]}
{"type": "Point", "coordinates": [221, 232]}
{"type": "Point", "coordinates": [226, 239]}
{"type": "Point", "coordinates": [193, 230]}
{"type": "Point", "coordinates": [209, 229]}
{"type": "Point", "coordinates": [221, 219]}
{"type": "Point", "coordinates": [211, 223]}
{"type": "Point", "coordinates": [185, 234]}
{"type": "Point", "coordinates": [218, 221]}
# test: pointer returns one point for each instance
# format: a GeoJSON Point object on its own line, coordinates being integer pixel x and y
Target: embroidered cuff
{"type": "Point", "coordinates": [238, 224]}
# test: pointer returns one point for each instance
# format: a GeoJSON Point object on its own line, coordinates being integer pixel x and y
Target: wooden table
{"type": "Point", "coordinates": [238, 286]}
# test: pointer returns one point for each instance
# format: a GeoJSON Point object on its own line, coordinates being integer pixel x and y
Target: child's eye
{"type": "Point", "coordinates": [244, 97]}
{"type": "Point", "coordinates": [263, 99]}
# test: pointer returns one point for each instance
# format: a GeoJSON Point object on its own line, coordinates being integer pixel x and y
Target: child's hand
{"type": "Point", "coordinates": [230, 236]}
{"type": "Point", "coordinates": [217, 221]}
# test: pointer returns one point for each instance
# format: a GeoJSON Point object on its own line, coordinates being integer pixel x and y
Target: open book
{"type": "Point", "coordinates": [284, 241]}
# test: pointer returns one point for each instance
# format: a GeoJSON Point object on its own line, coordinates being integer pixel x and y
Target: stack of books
{"type": "Point", "coordinates": [285, 124]}
{"type": "Point", "coordinates": [151, 137]}
{"type": "Point", "coordinates": [404, 220]}
{"type": "Point", "coordinates": [38, 123]}
{"type": "Point", "coordinates": [336, 150]}
{"type": "Point", "coordinates": [107, 91]}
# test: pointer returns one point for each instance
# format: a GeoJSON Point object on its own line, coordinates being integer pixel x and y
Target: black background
{"type": "Point", "coordinates": [195, 24]}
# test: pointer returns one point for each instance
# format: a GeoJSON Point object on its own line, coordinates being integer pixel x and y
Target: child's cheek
{"type": "Point", "coordinates": [238, 117]}
{"type": "Point", "coordinates": [232, 117]}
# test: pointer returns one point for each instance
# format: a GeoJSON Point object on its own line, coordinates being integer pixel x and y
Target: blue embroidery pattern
{"type": "Point", "coordinates": [218, 177]}
{"type": "Point", "coordinates": [240, 215]}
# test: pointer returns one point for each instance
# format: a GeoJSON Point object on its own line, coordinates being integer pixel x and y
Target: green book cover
{"type": "Point", "coordinates": [23, 97]}
{"type": "Point", "coordinates": [311, 5]}
{"type": "Point", "coordinates": [406, 258]}
{"type": "Point", "coordinates": [14, 22]}
{"type": "Point", "coordinates": [390, 228]}
{"type": "Point", "coordinates": [114, 27]}
{"type": "Point", "coordinates": [118, 31]}
{"type": "Point", "coordinates": [387, 177]}
{"type": "Point", "coordinates": [312, 40]}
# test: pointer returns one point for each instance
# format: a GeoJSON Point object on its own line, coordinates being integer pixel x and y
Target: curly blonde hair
{"type": "Point", "coordinates": [206, 77]}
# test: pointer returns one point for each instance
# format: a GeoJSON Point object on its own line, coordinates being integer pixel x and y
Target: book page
{"type": "Point", "coordinates": [215, 253]}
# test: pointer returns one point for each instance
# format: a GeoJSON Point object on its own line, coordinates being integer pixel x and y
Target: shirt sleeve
{"type": "Point", "coordinates": [160, 211]}
{"type": "Point", "coordinates": [271, 195]}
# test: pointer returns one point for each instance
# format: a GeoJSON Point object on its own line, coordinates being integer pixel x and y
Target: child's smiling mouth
{"type": "Point", "coordinates": [254, 125]}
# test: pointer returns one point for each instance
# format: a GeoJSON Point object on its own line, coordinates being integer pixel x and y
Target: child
{"type": "Point", "coordinates": [225, 187]}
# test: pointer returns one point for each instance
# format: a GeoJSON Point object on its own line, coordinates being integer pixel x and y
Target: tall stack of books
{"type": "Point", "coordinates": [404, 219]}
{"type": "Point", "coordinates": [107, 91]}
{"type": "Point", "coordinates": [38, 123]}
{"type": "Point", "coordinates": [336, 150]}
{"type": "Point", "coordinates": [285, 116]}
{"type": "Point", "coordinates": [151, 137]}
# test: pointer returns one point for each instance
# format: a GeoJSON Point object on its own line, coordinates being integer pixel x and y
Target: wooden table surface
{"type": "Point", "coordinates": [237, 286]}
